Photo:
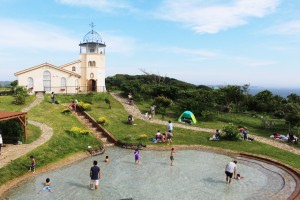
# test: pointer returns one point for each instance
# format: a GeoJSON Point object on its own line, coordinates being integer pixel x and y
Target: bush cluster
{"type": "Point", "coordinates": [84, 106]}
{"type": "Point", "coordinates": [20, 95]}
{"type": "Point", "coordinates": [66, 111]}
{"type": "Point", "coordinates": [231, 132]}
{"type": "Point", "coordinates": [102, 121]}
{"type": "Point", "coordinates": [78, 132]}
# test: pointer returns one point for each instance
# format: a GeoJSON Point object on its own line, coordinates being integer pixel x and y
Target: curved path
{"type": "Point", "coordinates": [134, 111]}
{"type": "Point", "coordinates": [12, 152]}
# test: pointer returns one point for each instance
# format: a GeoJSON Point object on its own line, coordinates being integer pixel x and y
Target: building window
{"type": "Point", "coordinates": [73, 69]}
{"type": "Point", "coordinates": [63, 82]}
{"type": "Point", "coordinates": [30, 82]}
{"type": "Point", "coordinates": [92, 64]}
{"type": "Point", "coordinates": [92, 75]}
{"type": "Point", "coordinates": [47, 81]}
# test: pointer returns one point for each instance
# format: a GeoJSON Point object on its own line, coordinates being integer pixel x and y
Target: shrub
{"type": "Point", "coordinates": [84, 106]}
{"type": "Point", "coordinates": [231, 132]}
{"type": "Point", "coordinates": [66, 111]}
{"type": "Point", "coordinates": [208, 115]}
{"type": "Point", "coordinates": [102, 121]}
{"type": "Point", "coordinates": [78, 132]}
{"type": "Point", "coordinates": [20, 94]}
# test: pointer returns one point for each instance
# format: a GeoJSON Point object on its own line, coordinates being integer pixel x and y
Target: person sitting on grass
{"type": "Point", "coordinates": [158, 136]}
{"type": "Point", "coordinates": [130, 119]}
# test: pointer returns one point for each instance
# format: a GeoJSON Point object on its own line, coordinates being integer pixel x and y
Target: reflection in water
{"type": "Point", "coordinates": [195, 175]}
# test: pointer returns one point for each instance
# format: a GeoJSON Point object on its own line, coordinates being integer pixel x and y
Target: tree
{"type": "Point", "coordinates": [162, 104]}
{"type": "Point", "coordinates": [292, 113]}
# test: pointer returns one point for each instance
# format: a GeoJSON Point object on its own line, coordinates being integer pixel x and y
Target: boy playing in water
{"type": "Point", "coordinates": [47, 185]}
{"type": "Point", "coordinates": [106, 159]}
{"type": "Point", "coordinates": [32, 166]}
{"type": "Point", "coordinates": [172, 156]}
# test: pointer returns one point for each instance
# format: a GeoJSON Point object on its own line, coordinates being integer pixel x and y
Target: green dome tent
{"type": "Point", "coordinates": [187, 117]}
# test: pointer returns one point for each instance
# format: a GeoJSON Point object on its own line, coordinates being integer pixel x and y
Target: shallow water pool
{"type": "Point", "coordinates": [195, 175]}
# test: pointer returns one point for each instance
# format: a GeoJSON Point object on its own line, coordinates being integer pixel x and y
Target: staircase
{"type": "Point", "coordinates": [98, 133]}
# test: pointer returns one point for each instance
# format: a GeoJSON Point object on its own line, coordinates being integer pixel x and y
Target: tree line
{"type": "Point", "coordinates": [203, 100]}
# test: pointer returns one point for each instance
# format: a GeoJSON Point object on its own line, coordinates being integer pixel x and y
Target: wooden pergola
{"type": "Point", "coordinates": [6, 115]}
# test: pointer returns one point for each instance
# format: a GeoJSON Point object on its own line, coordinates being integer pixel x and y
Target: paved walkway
{"type": "Point", "coordinates": [12, 152]}
{"type": "Point", "coordinates": [134, 111]}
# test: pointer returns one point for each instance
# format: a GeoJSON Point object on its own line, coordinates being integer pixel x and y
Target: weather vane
{"type": "Point", "coordinates": [92, 25]}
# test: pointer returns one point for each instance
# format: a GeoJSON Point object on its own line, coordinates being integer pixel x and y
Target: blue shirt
{"type": "Point", "coordinates": [95, 172]}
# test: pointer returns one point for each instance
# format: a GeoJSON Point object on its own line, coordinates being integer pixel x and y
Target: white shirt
{"type": "Point", "coordinates": [1, 141]}
{"type": "Point", "coordinates": [170, 127]}
{"type": "Point", "coordinates": [230, 167]}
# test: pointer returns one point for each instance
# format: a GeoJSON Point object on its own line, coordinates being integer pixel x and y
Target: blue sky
{"type": "Point", "coordinates": [205, 42]}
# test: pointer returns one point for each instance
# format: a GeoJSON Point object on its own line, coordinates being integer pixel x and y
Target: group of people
{"type": "Point", "coordinates": [165, 136]}
{"type": "Point", "coordinates": [285, 138]}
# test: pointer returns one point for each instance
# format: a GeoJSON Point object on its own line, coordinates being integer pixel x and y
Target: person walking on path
{"type": "Point", "coordinates": [95, 175]}
{"type": "Point", "coordinates": [52, 97]}
{"type": "Point", "coordinates": [230, 170]}
{"type": "Point", "coordinates": [172, 156]}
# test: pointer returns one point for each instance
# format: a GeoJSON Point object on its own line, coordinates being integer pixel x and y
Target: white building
{"type": "Point", "coordinates": [84, 75]}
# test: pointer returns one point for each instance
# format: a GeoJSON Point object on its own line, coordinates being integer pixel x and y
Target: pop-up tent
{"type": "Point", "coordinates": [188, 117]}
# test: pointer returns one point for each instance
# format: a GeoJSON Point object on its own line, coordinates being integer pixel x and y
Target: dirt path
{"type": "Point", "coordinates": [12, 152]}
{"type": "Point", "coordinates": [134, 111]}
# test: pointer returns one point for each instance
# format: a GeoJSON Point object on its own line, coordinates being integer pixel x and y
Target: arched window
{"type": "Point", "coordinates": [63, 82]}
{"type": "Point", "coordinates": [73, 69]}
{"type": "Point", "coordinates": [92, 64]}
{"type": "Point", "coordinates": [47, 81]}
{"type": "Point", "coordinates": [30, 82]}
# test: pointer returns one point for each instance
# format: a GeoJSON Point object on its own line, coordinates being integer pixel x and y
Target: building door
{"type": "Point", "coordinates": [92, 85]}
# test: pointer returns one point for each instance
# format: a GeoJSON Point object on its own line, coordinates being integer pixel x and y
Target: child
{"type": "Point", "coordinates": [32, 166]}
{"type": "Point", "coordinates": [172, 156]}
{"type": "Point", "coordinates": [238, 177]}
{"type": "Point", "coordinates": [137, 156]}
{"type": "Point", "coordinates": [106, 159]}
{"type": "Point", "coordinates": [47, 185]}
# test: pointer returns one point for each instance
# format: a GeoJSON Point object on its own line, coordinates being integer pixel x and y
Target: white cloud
{"type": "Point", "coordinates": [40, 36]}
{"type": "Point", "coordinates": [35, 35]}
{"type": "Point", "coordinates": [287, 28]}
{"type": "Point", "coordinates": [212, 18]}
{"type": "Point", "coordinates": [103, 5]}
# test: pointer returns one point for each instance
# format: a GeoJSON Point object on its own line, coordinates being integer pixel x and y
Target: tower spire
{"type": "Point", "coordinates": [92, 25]}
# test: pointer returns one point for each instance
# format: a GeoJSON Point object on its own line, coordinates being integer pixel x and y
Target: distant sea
{"type": "Point", "coordinates": [284, 92]}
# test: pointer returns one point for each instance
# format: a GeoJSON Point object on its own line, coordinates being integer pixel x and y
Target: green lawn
{"type": "Point", "coordinates": [60, 146]}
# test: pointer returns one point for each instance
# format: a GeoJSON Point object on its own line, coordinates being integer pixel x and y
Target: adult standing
{"type": "Point", "coordinates": [230, 170]}
{"type": "Point", "coordinates": [52, 97]}
{"type": "Point", "coordinates": [95, 175]}
{"type": "Point", "coordinates": [170, 127]}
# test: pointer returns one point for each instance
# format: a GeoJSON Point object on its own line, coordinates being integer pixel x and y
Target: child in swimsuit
{"type": "Point", "coordinates": [47, 185]}
{"type": "Point", "coordinates": [106, 159]}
